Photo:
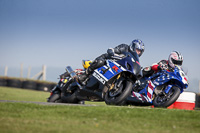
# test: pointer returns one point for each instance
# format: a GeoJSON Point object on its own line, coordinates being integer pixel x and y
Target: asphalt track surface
{"type": "Point", "coordinates": [68, 104]}
{"type": "Point", "coordinates": [47, 103]}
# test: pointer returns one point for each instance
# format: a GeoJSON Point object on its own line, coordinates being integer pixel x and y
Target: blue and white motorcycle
{"type": "Point", "coordinates": [111, 83]}
{"type": "Point", "coordinates": [161, 89]}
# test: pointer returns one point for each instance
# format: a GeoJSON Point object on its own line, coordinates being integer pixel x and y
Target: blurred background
{"type": "Point", "coordinates": [57, 33]}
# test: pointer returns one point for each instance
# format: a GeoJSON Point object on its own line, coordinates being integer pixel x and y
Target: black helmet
{"type": "Point", "coordinates": [137, 44]}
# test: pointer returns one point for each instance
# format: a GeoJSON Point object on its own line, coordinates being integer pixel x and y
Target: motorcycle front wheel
{"type": "Point", "coordinates": [166, 100]}
{"type": "Point", "coordinates": [54, 98]}
{"type": "Point", "coordinates": [118, 94]}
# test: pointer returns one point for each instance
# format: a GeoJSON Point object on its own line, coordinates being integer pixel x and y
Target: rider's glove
{"type": "Point", "coordinates": [159, 68]}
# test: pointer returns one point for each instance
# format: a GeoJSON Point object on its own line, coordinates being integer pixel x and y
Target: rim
{"type": "Point", "coordinates": [116, 91]}
{"type": "Point", "coordinates": [164, 97]}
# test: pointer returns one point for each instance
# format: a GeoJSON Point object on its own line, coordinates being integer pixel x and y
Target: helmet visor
{"type": "Point", "coordinates": [176, 62]}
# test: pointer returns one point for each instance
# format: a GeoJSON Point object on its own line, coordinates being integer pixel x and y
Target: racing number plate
{"type": "Point", "coordinates": [99, 77]}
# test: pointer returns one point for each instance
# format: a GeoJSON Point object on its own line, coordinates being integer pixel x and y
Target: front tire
{"type": "Point", "coordinates": [55, 98]}
{"type": "Point", "coordinates": [118, 95]}
{"type": "Point", "coordinates": [165, 101]}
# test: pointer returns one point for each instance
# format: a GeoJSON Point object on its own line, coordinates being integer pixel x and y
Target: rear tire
{"type": "Point", "coordinates": [162, 101]}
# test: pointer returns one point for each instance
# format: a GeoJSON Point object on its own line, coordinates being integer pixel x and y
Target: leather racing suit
{"type": "Point", "coordinates": [100, 61]}
{"type": "Point", "coordinates": [162, 65]}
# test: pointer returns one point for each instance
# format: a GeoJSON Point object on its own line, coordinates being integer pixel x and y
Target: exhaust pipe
{"type": "Point", "coordinates": [70, 71]}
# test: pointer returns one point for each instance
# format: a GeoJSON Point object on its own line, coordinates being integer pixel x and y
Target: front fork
{"type": "Point", "coordinates": [163, 91]}
{"type": "Point", "coordinates": [55, 90]}
{"type": "Point", "coordinates": [113, 84]}
{"type": "Point", "coordinates": [167, 89]}
{"type": "Point", "coordinates": [60, 84]}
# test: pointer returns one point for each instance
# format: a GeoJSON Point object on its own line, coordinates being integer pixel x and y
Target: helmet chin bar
{"type": "Point", "coordinates": [139, 52]}
{"type": "Point", "coordinates": [176, 62]}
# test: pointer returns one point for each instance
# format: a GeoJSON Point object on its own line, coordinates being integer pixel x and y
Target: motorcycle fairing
{"type": "Point", "coordinates": [146, 94]}
{"type": "Point", "coordinates": [132, 65]}
{"type": "Point", "coordinates": [164, 78]}
{"type": "Point", "coordinates": [106, 72]}
{"type": "Point", "coordinates": [140, 97]}
{"type": "Point", "coordinates": [150, 90]}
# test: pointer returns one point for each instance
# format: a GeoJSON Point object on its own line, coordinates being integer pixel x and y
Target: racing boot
{"type": "Point", "coordinates": [98, 62]}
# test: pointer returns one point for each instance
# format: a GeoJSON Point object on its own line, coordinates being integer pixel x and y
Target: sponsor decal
{"type": "Point", "coordinates": [115, 68]}
{"type": "Point", "coordinates": [137, 62]}
{"type": "Point", "coordinates": [101, 79]}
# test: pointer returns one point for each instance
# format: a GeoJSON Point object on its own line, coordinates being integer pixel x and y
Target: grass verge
{"type": "Point", "coordinates": [9, 93]}
{"type": "Point", "coordinates": [29, 117]}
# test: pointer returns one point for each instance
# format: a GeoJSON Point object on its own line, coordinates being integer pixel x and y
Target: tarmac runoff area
{"type": "Point", "coordinates": [67, 104]}
{"type": "Point", "coordinates": [47, 103]}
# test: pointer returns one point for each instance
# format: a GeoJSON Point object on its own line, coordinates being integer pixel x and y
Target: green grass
{"type": "Point", "coordinates": [29, 117]}
{"type": "Point", "coordinates": [8, 93]}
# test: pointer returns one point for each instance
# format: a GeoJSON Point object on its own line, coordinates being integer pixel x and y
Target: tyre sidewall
{"type": "Point", "coordinates": [171, 100]}
{"type": "Point", "coordinates": [55, 98]}
{"type": "Point", "coordinates": [122, 97]}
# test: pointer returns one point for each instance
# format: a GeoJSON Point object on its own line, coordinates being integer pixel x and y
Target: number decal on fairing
{"type": "Point", "coordinates": [102, 80]}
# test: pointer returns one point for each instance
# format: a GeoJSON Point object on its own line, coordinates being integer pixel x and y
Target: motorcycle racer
{"type": "Point", "coordinates": [175, 58]}
{"type": "Point", "coordinates": [136, 46]}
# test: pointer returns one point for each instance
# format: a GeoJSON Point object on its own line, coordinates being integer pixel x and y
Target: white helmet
{"type": "Point", "coordinates": [175, 58]}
